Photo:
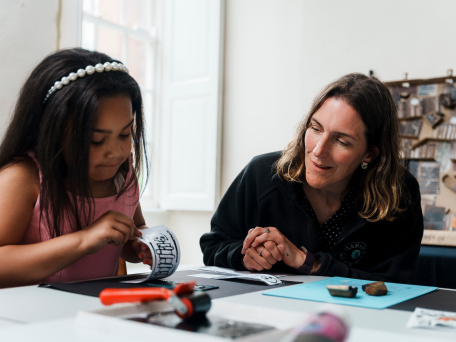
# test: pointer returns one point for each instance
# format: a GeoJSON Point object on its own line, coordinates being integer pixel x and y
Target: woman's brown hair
{"type": "Point", "coordinates": [381, 183]}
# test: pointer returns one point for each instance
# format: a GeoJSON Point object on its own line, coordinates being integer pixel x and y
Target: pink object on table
{"type": "Point", "coordinates": [320, 327]}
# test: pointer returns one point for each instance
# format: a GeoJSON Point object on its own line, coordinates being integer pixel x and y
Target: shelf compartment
{"type": "Point", "coordinates": [428, 140]}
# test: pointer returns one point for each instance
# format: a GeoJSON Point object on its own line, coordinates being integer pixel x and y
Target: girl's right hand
{"type": "Point", "coordinates": [110, 228]}
{"type": "Point", "coordinates": [142, 252]}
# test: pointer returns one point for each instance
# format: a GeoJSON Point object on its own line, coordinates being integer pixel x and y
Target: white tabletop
{"type": "Point", "coordinates": [32, 313]}
{"type": "Point", "coordinates": [391, 321]}
{"type": "Point", "coordinates": [31, 304]}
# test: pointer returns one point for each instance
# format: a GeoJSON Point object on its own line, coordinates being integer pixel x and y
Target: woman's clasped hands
{"type": "Point", "coordinates": [263, 247]}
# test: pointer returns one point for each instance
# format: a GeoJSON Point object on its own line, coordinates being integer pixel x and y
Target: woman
{"type": "Point", "coordinates": [335, 202]}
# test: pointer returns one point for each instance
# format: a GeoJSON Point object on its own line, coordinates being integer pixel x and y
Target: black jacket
{"type": "Point", "coordinates": [366, 250]}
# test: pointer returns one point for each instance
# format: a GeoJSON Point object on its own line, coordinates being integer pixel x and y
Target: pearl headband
{"type": "Point", "coordinates": [89, 70]}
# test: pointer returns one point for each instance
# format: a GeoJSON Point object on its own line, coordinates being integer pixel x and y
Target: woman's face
{"type": "Point", "coordinates": [335, 146]}
{"type": "Point", "coordinates": [110, 144]}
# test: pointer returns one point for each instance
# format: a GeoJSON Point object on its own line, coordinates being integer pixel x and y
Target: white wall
{"type": "Point", "coordinates": [29, 31]}
{"type": "Point", "coordinates": [278, 54]}
{"type": "Point", "coordinates": [263, 79]}
{"type": "Point", "coordinates": [27, 34]}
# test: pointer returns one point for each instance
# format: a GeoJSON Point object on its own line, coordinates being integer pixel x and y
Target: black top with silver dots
{"type": "Point", "coordinates": [329, 231]}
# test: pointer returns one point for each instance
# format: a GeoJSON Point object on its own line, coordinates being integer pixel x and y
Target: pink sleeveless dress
{"type": "Point", "coordinates": [105, 263]}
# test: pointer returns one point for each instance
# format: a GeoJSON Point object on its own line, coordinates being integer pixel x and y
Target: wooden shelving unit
{"type": "Point", "coordinates": [439, 238]}
{"type": "Point", "coordinates": [420, 159]}
{"type": "Point", "coordinates": [409, 137]}
{"type": "Point", "coordinates": [418, 81]}
{"type": "Point", "coordinates": [428, 140]}
{"type": "Point", "coordinates": [410, 118]}
{"type": "Point", "coordinates": [446, 197]}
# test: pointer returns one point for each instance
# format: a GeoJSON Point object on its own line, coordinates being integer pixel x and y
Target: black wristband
{"type": "Point", "coordinates": [306, 268]}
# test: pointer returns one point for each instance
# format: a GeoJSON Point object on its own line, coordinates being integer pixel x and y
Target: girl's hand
{"type": "Point", "coordinates": [291, 255]}
{"type": "Point", "coordinates": [142, 252]}
{"type": "Point", "coordinates": [110, 228]}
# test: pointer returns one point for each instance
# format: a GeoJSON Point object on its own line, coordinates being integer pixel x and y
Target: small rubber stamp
{"type": "Point", "coordinates": [342, 291]}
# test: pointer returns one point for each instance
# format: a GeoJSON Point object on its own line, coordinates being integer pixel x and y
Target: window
{"type": "Point", "coordinates": [180, 78]}
{"type": "Point", "coordinates": [125, 30]}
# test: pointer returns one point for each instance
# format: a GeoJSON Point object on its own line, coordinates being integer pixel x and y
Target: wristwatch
{"type": "Point", "coordinates": [306, 268]}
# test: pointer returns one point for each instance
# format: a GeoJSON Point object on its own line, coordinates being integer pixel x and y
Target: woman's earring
{"type": "Point", "coordinates": [364, 165]}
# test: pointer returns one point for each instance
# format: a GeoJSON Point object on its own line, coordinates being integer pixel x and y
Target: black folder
{"type": "Point", "coordinates": [226, 287]}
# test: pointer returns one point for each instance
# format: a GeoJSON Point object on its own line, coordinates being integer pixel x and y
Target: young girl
{"type": "Point", "coordinates": [70, 162]}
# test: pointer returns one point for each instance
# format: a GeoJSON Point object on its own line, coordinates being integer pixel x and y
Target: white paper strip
{"type": "Point", "coordinates": [165, 251]}
{"type": "Point", "coordinates": [226, 273]}
{"type": "Point", "coordinates": [425, 318]}
{"type": "Point", "coordinates": [215, 269]}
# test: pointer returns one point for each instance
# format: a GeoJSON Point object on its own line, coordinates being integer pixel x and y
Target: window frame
{"type": "Point", "coordinates": [151, 195]}
{"type": "Point", "coordinates": [166, 188]}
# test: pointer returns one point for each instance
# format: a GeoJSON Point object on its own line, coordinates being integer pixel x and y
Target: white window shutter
{"type": "Point", "coordinates": [191, 104]}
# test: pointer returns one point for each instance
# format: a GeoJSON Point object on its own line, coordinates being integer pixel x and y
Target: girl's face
{"type": "Point", "coordinates": [335, 146]}
{"type": "Point", "coordinates": [111, 143]}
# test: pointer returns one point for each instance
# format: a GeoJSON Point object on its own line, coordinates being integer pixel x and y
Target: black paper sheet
{"type": "Point", "coordinates": [442, 300]}
{"type": "Point", "coordinates": [227, 287]}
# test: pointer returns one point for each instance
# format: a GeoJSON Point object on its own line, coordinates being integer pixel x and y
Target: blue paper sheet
{"type": "Point", "coordinates": [318, 292]}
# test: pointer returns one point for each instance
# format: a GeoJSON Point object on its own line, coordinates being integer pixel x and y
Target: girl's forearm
{"type": "Point", "coordinates": [30, 264]}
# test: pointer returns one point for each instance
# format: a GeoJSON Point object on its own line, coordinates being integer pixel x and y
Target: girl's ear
{"type": "Point", "coordinates": [372, 153]}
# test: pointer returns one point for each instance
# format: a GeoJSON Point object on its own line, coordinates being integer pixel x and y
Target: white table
{"type": "Point", "coordinates": [39, 314]}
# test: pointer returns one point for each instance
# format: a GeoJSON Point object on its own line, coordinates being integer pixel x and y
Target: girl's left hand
{"type": "Point", "coordinates": [142, 252]}
{"type": "Point", "coordinates": [291, 255]}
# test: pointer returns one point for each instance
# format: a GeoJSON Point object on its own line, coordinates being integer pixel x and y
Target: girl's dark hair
{"type": "Point", "coordinates": [381, 183]}
{"type": "Point", "coordinates": [73, 110]}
